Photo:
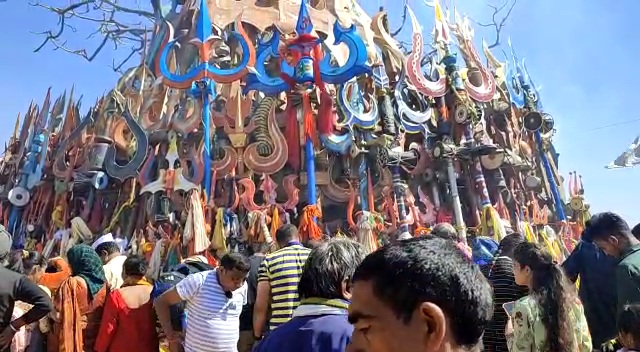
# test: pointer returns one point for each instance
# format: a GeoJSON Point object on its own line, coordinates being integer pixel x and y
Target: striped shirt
{"type": "Point", "coordinates": [505, 290]}
{"type": "Point", "coordinates": [282, 269]}
{"type": "Point", "coordinates": [213, 320]}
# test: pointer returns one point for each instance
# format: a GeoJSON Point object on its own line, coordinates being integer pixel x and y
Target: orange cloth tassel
{"type": "Point", "coordinates": [444, 113]}
{"type": "Point", "coordinates": [370, 198]}
{"type": "Point", "coordinates": [275, 221]}
{"type": "Point", "coordinates": [309, 230]}
{"type": "Point", "coordinates": [309, 122]}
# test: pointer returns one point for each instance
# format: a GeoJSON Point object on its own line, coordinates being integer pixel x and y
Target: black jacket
{"type": "Point", "coordinates": [597, 272]}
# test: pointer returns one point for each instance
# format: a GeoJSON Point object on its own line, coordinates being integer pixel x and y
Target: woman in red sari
{"type": "Point", "coordinates": [129, 321]}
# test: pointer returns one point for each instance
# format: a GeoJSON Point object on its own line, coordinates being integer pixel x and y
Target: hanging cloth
{"type": "Point", "coordinates": [309, 230]}
{"type": "Point", "coordinates": [195, 226]}
{"type": "Point", "coordinates": [275, 220]}
{"type": "Point", "coordinates": [219, 241]}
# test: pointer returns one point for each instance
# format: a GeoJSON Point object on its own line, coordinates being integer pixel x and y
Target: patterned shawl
{"type": "Point", "coordinates": [86, 263]}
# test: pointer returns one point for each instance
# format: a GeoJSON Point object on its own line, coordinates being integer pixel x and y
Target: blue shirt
{"type": "Point", "coordinates": [316, 333]}
{"type": "Point", "coordinates": [597, 288]}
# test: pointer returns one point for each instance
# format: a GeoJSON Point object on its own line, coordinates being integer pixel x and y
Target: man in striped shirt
{"type": "Point", "coordinates": [278, 280]}
{"type": "Point", "coordinates": [214, 301]}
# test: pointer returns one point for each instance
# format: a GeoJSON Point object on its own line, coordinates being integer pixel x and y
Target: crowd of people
{"type": "Point", "coordinates": [431, 293]}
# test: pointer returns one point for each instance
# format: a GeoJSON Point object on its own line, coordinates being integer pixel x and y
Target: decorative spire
{"type": "Point", "coordinates": [14, 137]}
{"type": "Point", "coordinates": [580, 186]}
{"type": "Point", "coordinates": [571, 193]}
{"type": "Point", "coordinates": [203, 26]}
{"type": "Point", "coordinates": [68, 122]}
{"type": "Point", "coordinates": [304, 25]}
{"type": "Point", "coordinates": [43, 114]}
{"type": "Point", "coordinates": [441, 33]}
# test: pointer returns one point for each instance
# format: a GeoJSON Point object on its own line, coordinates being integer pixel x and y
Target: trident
{"type": "Point", "coordinates": [202, 78]}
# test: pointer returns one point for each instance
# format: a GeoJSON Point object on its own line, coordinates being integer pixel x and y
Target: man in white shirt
{"type": "Point", "coordinates": [112, 260]}
{"type": "Point", "coordinates": [214, 301]}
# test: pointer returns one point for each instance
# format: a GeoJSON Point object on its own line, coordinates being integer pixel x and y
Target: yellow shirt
{"type": "Point", "coordinates": [282, 269]}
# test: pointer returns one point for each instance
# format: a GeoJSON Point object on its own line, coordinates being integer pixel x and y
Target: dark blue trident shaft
{"type": "Point", "coordinates": [201, 79]}
{"type": "Point", "coordinates": [524, 94]}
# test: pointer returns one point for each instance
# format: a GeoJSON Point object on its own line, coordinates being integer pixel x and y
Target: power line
{"type": "Point", "coordinates": [613, 125]}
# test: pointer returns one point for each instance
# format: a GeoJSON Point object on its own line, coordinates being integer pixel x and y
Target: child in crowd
{"type": "Point", "coordinates": [629, 328]}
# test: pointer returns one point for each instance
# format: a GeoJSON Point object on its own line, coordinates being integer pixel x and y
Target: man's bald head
{"type": "Point", "coordinates": [445, 231]}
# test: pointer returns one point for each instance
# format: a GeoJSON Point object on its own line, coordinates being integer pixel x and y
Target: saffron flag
{"type": "Point", "coordinates": [442, 27]}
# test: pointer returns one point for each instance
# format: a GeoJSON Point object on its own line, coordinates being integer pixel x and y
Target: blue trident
{"type": "Point", "coordinates": [201, 79]}
{"type": "Point", "coordinates": [303, 73]}
{"type": "Point", "coordinates": [524, 94]}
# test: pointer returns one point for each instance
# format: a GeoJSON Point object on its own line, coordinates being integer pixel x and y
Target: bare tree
{"type": "Point", "coordinates": [130, 26]}
{"type": "Point", "coordinates": [498, 19]}
{"type": "Point", "coordinates": [118, 25]}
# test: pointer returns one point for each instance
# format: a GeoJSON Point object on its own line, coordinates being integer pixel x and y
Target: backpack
{"type": "Point", "coordinates": [189, 268]}
{"type": "Point", "coordinates": [483, 249]}
{"type": "Point", "coordinates": [170, 279]}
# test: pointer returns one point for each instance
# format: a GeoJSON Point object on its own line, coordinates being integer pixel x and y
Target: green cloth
{"type": "Point", "coordinates": [86, 263]}
{"type": "Point", "coordinates": [628, 277]}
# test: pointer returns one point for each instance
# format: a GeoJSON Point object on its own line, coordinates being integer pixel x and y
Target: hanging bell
{"type": "Point", "coordinates": [576, 204]}
{"type": "Point", "coordinates": [97, 154]}
{"type": "Point", "coordinates": [547, 124]}
{"type": "Point", "coordinates": [19, 196]}
{"type": "Point", "coordinates": [533, 121]}
{"type": "Point", "coordinates": [532, 182]}
{"type": "Point", "coordinates": [492, 161]}
{"type": "Point", "coordinates": [100, 180]}
{"type": "Point", "coordinates": [443, 150]}
{"type": "Point", "coordinates": [461, 114]}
